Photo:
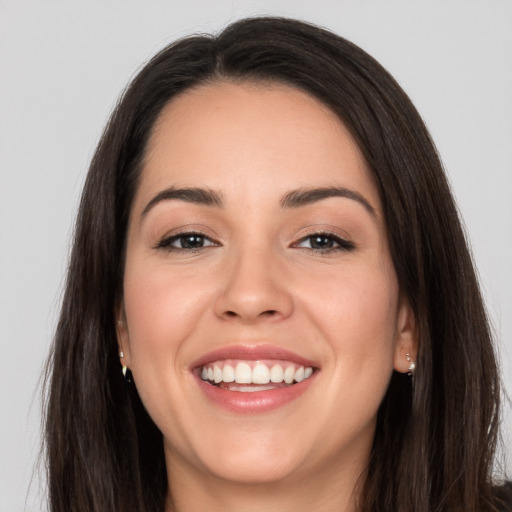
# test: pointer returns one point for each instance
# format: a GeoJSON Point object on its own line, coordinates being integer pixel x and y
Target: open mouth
{"type": "Point", "coordinates": [253, 379]}
{"type": "Point", "coordinates": [247, 376]}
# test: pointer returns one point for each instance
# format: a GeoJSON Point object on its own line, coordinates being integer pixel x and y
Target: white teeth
{"type": "Point", "coordinates": [217, 374]}
{"type": "Point", "coordinates": [299, 374]}
{"type": "Point", "coordinates": [243, 374]}
{"type": "Point", "coordinates": [228, 373]}
{"type": "Point", "coordinates": [249, 389]}
{"type": "Point", "coordinates": [260, 374]}
{"type": "Point", "coordinates": [289, 374]}
{"type": "Point", "coordinates": [277, 373]}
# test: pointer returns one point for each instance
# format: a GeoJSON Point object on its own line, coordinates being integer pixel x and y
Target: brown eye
{"type": "Point", "coordinates": [321, 242]}
{"type": "Point", "coordinates": [190, 241]}
{"type": "Point", "coordinates": [186, 242]}
{"type": "Point", "coordinates": [324, 242]}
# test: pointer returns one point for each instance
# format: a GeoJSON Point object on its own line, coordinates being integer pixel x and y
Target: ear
{"type": "Point", "coordinates": [123, 341]}
{"type": "Point", "coordinates": [406, 346]}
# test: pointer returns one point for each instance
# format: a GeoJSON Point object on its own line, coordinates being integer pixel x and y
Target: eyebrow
{"type": "Point", "coordinates": [194, 195]}
{"type": "Point", "coordinates": [305, 196]}
{"type": "Point", "coordinates": [293, 199]}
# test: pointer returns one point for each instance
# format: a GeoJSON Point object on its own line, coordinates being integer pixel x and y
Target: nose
{"type": "Point", "coordinates": [255, 289]}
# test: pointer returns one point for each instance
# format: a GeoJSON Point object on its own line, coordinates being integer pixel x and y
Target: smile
{"type": "Point", "coordinates": [253, 379]}
{"type": "Point", "coordinates": [250, 376]}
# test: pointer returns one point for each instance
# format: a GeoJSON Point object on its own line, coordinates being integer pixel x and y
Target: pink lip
{"type": "Point", "coordinates": [251, 353]}
{"type": "Point", "coordinates": [258, 401]}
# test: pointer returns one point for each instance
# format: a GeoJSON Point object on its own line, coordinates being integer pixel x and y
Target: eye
{"type": "Point", "coordinates": [324, 242]}
{"type": "Point", "coordinates": [186, 242]}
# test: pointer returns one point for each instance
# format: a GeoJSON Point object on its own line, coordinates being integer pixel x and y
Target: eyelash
{"type": "Point", "coordinates": [166, 243]}
{"type": "Point", "coordinates": [341, 243]}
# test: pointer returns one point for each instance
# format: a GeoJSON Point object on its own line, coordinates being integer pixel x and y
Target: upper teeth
{"type": "Point", "coordinates": [255, 372]}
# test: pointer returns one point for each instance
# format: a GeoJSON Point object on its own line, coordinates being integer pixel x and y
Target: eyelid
{"type": "Point", "coordinates": [165, 242]}
{"type": "Point", "coordinates": [342, 241]}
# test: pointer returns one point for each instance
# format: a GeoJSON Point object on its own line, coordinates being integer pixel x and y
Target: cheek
{"type": "Point", "coordinates": [356, 312]}
{"type": "Point", "coordinates": [162, 310]}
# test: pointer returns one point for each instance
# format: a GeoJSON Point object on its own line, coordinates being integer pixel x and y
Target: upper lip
{"type": "Point", "coordinates": [252, 353]}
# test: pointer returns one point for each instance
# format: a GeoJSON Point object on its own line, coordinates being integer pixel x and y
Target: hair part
{"type": "Point", "coordinates": [434, 445]}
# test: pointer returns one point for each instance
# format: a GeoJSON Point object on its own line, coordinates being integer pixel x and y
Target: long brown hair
{"type": "Point", "coordinates": [434, 444]}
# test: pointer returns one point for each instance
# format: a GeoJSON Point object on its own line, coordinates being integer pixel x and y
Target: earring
{"type": "Point", "coordinates": [412, 366]}
{"type": "Point", "coordinates": [125, 369]}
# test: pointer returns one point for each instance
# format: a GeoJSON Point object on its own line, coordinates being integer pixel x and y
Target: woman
{"type": "Point", "coordinates": [265, 297]}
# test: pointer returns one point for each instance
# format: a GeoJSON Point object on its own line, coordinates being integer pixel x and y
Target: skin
{"type": "Point", "coordinates": [258, 280]}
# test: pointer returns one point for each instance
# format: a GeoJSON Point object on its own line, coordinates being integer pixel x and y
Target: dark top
{"type": "Point", "coordinates": [504, 493]}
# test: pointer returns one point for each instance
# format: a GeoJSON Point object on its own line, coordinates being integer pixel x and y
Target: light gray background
{"type": "Point", "coordinates": [62, 65]}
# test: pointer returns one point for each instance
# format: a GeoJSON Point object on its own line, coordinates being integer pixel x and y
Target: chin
{"type": "Point", "coordinates": [249, 457]}
{"type": "Point", "coordinates": [253, 468]}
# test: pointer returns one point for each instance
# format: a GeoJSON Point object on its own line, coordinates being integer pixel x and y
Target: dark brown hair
{"type": "Point", "coordinates": [434, 445]}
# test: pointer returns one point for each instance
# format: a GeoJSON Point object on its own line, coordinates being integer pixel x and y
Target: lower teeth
{"type": "Point", "coordinates": [248, 388]}
{"type": "Point", "coordinates": [245, 389]}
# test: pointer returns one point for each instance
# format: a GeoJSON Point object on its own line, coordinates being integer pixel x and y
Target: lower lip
{"type": "Point", "coordinates": [254, 402]}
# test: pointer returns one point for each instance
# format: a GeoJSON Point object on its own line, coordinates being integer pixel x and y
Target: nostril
{"type": "Point", "coordinates": [268, 312]}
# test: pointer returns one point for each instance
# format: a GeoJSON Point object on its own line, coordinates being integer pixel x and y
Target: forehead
{"type": "Point", "coordinates": [243, 137]}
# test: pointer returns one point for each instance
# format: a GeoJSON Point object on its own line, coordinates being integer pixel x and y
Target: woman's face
{"type": "Point", "coordinates": [257, 251]}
